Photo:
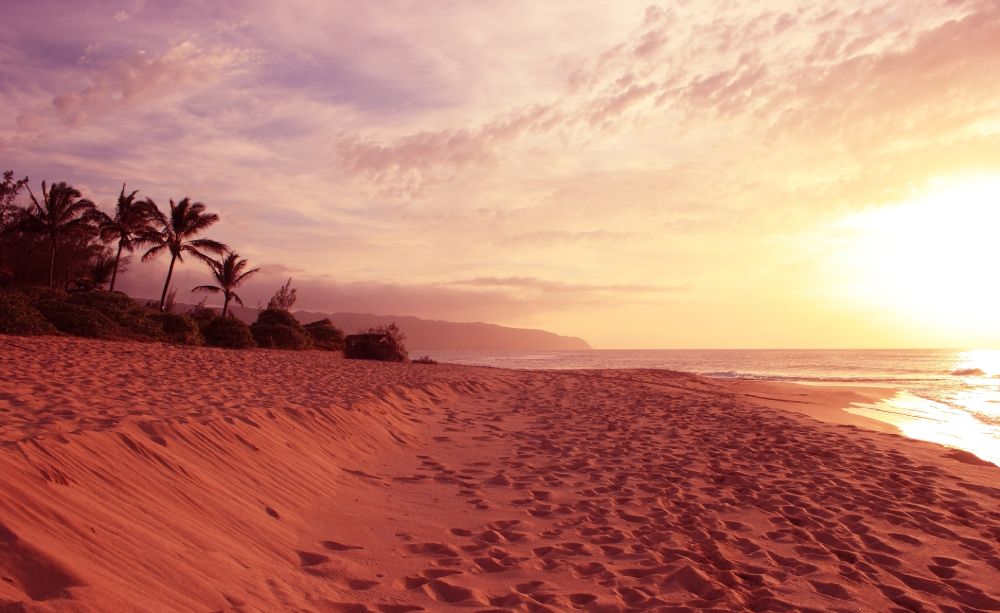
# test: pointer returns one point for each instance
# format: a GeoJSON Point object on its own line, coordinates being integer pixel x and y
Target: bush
{"type": "Point", "coordinates": [325, 335]}
{"type": "Point", "coordinates": [179, 329]}
{"type": "Point", "coordinates": [228, 332]}
{"type": "Point", "coordinates": [378, 343]}
{"type": "Point", "coordinates": [133, 320]}
{"type": "Point", "coordinates": [19, 316]}
{"type": "Point", "coordinates": [202, 315]}
{"type": "Point", "coordinates": [278, 329]}
{"type": "Point", "coordinates": [425, 360]}
{"type": "Point", "coordinates": [37, 293]}
{"type": "Point", "coordinates": [77, 319]}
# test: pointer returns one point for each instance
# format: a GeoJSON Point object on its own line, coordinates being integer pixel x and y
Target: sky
{"type": "Point", "coordinates": [643, 175]}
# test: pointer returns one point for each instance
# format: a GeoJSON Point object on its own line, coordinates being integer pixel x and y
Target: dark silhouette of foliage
{"type": "Point", "coordinates": [384, 343]}
{"type": "Point", "coordinates": [19, 316]}
{"type": "Point", "coordinates": [171, 302]}
{"type": "Point", "coordinates": [77, 319]}
{"type": "Point", "coordinates": [396, 339]}
{"type": "Point", "coordinates": [283, 299]}
{"type": "Point", "coordinates": [131, 224]}
{"type": "Point", "coordinates": [424, 360]}
{"type": "Point", "coordinates": [131, 319]}
{"type": "Point", "coordinates": [179, 329]}
{"type": "Point", "coordinates": [228, 332]}
{"type": "Point", "coordinates": [229, 273]}
{"type": "Point", "coordinates": [62, 213]}
{"type": "Point", "coordinates": [101, 271]}
{"type": "Point", "coordinates": [202, 315]}
{"type": "Point", "coordinates": [325, 335]}
{"type": "Point", "coordinates": [278, 329]}
{"type": "Point", "coordinates": [9, 192]}
{"type": "Point", "coordinates": [175, 235]}
{"type": "Point", "coordinates": [38, 293]}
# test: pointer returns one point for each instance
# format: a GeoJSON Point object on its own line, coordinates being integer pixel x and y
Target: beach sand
{"type": "Point", "coordinates": [144, 477]}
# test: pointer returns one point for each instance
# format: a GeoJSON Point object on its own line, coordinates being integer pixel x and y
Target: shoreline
{"type": "Point", "coordinates": [877, 408]}
{"type": "Point", "coordinates": [267, 480]}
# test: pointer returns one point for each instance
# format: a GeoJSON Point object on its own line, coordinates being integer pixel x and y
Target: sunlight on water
{"type": "Point", "coordinates": [936, 422]}
{"type": "Point", "coordinates": [978, 363]}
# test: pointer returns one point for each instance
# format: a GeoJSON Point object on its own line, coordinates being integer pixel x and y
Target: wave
{"type": "Point", "coordinates": [968, 372]}
{"type": "Point", "coordinates": [732, 374]}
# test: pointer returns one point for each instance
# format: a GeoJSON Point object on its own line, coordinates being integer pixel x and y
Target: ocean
{"type": "Point", "coordinates": [947, 396]}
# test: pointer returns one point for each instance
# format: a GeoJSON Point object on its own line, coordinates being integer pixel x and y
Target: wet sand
{"type": "Point", "coordinates": [147, 477]}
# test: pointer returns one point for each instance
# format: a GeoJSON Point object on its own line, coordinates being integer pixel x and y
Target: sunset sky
{"type": "Point", "coordinates": [681, 174]}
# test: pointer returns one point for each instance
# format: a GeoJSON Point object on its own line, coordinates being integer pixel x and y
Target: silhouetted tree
{"type": "Point", "coordinates": [9, 191]}
{"type": "Point", "coordinates": [102, 268]}
{"type": "Point", "coordinates": [131, 224]}
{"type": "Point", "coordinates": [176, 236]}
{"type": "Point", "coordinates": [284, 298]}
{"type": "Point", "coordinates": [229, 273]}
{"type": "Point", "coordinates": [10, 218]}
{"type": "Point", "coordinates": [62, 211]}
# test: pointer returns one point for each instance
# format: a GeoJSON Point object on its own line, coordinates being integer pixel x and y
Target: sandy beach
{"type": "Point", "coordinates": [142, 477]}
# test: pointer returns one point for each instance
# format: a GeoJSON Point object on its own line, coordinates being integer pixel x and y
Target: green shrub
{"type": "Point", "coordinates": [19, 316]}
{"type": "Point", "coordinates": [179, 329]}
{"type": "Point", "coordinates": [278, 329]}
{"type": "Point", "coordinates": [77, 319]}
{"type": "Point", "coordinates": [228, 332]}
{"type": "Point", "coordinates": [325, 335]}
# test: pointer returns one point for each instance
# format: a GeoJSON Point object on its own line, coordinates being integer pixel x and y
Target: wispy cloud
{"type": "Point", "coordinates": [550, 152]}
{"type": "Point", "coordinates": [542, 285]}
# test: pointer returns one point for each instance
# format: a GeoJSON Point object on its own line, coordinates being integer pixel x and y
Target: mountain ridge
{"type": "Point", "coordinates": [435, 333]}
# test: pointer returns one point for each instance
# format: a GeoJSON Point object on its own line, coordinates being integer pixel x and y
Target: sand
{"type": "Point", "coordinates": [139, 477]}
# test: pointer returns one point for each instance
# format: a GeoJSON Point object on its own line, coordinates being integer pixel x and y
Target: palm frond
{"type": "Point", "coordinates": [153, 252]}
{"type": "Point", "coordinates": [240, 279]}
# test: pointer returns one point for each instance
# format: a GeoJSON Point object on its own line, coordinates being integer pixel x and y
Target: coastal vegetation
{"type": "Point", "coordinates": [61, 258]}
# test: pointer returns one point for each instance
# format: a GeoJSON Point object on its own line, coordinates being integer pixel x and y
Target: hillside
{"type": "Point", "coordinates": [434, 334]}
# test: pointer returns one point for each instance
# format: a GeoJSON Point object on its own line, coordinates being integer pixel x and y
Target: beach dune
{"type": "Point", "coordinates": [137, 477]}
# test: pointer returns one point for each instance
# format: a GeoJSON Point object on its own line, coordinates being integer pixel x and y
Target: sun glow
{"type": "Point", "coordinates": [933, 260]}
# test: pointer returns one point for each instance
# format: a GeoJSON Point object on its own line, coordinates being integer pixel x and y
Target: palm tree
{"type": "Point", "coordinates": [176, 235]}
{"type": "Point", "coordinates": [100, 271]}
{"type": "Point", "coordinates": [62, 210]}
{"type": "Point", "coordinates": [229, 275]}
{"type": "Point", "coordinates": [130, 226]}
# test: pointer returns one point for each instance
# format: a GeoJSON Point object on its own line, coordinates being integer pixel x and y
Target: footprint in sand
{"type": "Point", "coordinates": [449, 593]}
{"type": "Point", "coordinates": [335, 546]}
{"type": "Point", "coordinates": [310, 558]}
{"type": "Point", "coordinates": [432, 549]}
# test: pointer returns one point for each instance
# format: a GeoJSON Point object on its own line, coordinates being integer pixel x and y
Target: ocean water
{"type": "Point", "coordinates": [945, 396]}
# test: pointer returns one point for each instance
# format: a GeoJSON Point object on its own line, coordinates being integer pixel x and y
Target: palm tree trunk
{"type": "Point", "coordinates": [52, 261]}
{"type": "Point", "coordinates": [114, 275]}
{"type": "Point", "coordinates": [225, 305]}
{"type": "Point", "coordinates": [166, 286]}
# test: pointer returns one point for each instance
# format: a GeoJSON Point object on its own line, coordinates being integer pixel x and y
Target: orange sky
{"type": "Point", "coordinates": [681, 174]}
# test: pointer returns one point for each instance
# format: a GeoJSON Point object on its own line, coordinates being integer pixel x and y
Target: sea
{"type": "Point", "coordinates": [946, 396]}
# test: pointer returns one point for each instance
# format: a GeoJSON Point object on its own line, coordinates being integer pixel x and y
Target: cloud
{"type": "Point", "coordinates": [541, 285]}
{"type": "Point", "coordinates": [518, 146]}
{"type": "Point", "coordinates": [485, 299]}
{"type": "Point", "coordinates": [136, 79]}
{"type": "Point", "coordinates": [548, 237]}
